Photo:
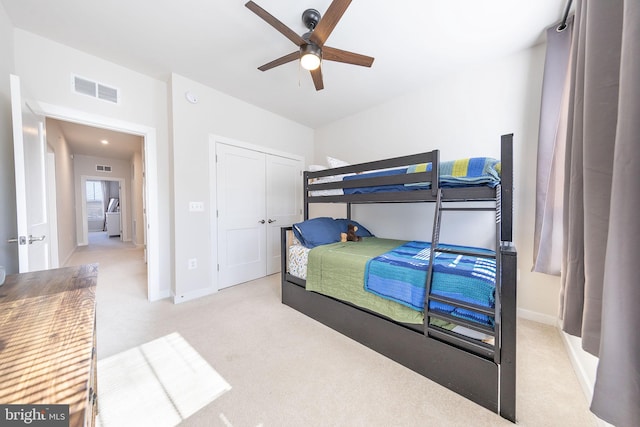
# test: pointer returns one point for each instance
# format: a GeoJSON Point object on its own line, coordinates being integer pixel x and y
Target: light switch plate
{"type": "Point", "coordinates": [196, 206]}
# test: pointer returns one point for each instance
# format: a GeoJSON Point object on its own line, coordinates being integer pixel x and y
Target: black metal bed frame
{"type": "Point", "coordinates": [485, 376]}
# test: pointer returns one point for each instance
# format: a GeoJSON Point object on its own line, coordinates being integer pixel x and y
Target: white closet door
{"type": "Point", "coordinates": [284, 203]}
{"type": "Point", "coordinates": [241, 215]}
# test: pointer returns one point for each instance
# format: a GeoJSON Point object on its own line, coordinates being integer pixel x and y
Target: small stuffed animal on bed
{"type": "Point", "coordinates": [350, 235]}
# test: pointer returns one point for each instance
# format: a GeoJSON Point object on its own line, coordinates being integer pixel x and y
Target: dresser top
{"type": "Point", "coordinates": [47, 327]}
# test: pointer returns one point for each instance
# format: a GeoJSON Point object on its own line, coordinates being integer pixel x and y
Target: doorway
{"type": "Point", "coordinates": [150, 225]}
{"type": "Point", "coordinates": [103, 181]}
{"type": "Point", "coordinates": [104, 203]}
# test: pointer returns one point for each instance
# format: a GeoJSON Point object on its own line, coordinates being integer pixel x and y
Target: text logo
{"type": "Point", "coordinates": [34, 415]}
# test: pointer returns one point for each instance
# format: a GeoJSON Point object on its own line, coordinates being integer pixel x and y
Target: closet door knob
{"type": "Point", "coordinates": [271, 220]}
{"type": "Point", "coordinates": [261, 221]}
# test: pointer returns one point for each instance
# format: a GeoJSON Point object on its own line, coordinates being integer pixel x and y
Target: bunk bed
{"type": "Point", "coordinates": [483, 371]}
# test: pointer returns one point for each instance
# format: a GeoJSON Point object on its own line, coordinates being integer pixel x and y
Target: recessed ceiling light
{"type": "Point", "coordinates": [104, 141]}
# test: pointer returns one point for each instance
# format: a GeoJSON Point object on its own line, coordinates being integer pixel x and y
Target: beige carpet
{"type": "Point", "coordinates": [158, 384]}
{"type": "Point", "coordinates": [288, 370]}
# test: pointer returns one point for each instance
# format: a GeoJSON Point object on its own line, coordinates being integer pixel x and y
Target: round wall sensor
{"type": "Point", "coordinates": [191, 97]}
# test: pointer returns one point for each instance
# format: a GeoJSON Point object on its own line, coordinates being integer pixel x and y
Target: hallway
{"type": "Point", "coordinates": [119, 262]}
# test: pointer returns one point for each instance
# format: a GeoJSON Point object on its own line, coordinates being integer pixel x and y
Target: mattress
{"type": "Point", "coordinates": [346, 283]}
{"type": "Point", "coordinates": [470, 172]}
{"type": "Point", "coordinates": [344, 279]}
{"type": "Point", "coordinates": [297, 258]}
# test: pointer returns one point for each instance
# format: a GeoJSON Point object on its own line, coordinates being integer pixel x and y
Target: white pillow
{"type": "Point", "coordinates": [316, 168]}
{"type": "Point", "coordinates": [336, 163]}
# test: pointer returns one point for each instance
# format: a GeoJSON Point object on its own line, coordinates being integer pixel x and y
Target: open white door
{"type": "Point", "coordinates": [29, 148]}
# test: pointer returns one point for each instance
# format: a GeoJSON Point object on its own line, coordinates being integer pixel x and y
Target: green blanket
{"type": "Point", "coordinates": [337, 270]}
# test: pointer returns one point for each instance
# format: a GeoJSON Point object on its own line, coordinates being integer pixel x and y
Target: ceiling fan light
{"type": "Point", "coordinates": [310, 56]}
{"type": "Point", "coordinates": [310, 61]}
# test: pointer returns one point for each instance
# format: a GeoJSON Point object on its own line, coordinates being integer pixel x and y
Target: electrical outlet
{"type": "Point", "coordinates": [192, 264]}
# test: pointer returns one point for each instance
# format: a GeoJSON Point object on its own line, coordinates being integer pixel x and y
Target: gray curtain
{"type": "Point", "coordinates": [552, 134]}
{"type": "Point", "coordinates": [105, 194]}
{"type": "Point", "coordinates": [600, 293]}
{"type": "Point", "coordinates": [105, 202]}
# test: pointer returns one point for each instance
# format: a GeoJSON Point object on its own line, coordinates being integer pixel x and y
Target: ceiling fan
{"type": "Point", "coordinates": [311, 46]}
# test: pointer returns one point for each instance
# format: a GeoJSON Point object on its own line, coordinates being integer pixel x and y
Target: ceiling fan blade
{"type": "Point", "coordinates": [275, 23]}
{"type": "Point", "coordinates": [329, 21]}
{"type": "Point", "coordinates": [316, 75]}
{"type": "Point", "coordinates": [339, 55]}
{"type": "Point", "coordinates": [283, 60]}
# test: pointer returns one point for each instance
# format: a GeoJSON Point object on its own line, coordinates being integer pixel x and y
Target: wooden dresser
{"type": "Point", "coordinates": [48, 340]}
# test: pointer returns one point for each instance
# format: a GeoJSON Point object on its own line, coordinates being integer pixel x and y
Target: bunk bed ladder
{"type": "Point", "coordinates": [479, 347]}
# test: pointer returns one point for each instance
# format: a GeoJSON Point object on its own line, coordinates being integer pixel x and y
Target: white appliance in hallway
{"type": "Point", "coordinates": [113, 223]}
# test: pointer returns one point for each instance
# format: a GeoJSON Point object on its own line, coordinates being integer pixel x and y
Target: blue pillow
{"type": "Point", "coordinates": [317, 231]}
{"type": "Point", "coordinates": [361, 231]}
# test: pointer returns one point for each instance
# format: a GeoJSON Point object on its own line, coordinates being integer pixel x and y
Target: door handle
{"type": "Point", "coordinates": [271, 220]}
{"type": "Point", "coordinates": [36, 239]}
{"type": "Point", "coordinates": [20, 240]}
{"type": "Point", "coordinates": [261, 221]}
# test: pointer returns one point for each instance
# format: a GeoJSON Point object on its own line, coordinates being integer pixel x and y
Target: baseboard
{"type": "Point", "coordinates": [578, 366]}
{"type": "Point", "coordinates": [537, 317]}
{"type": "Point", "coordinates": [177, 299]}
{"type": "Point", "coordinates": [578, 362]}
{"type": "Point", "coordinates": [579, 358]}
{"type": "Point", "coordinates": [160, 295]}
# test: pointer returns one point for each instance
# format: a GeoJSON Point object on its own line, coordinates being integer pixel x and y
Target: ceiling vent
{"type": "Point", "coordinates": [103, 168]}
{"type": "Point", "coordinates": [95, 90]}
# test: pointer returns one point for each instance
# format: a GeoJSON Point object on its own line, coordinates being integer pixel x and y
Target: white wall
{"type": "Point", "coordinates": [45, 68]}
{"type": "Point", "coordinates": [65, 192]}
{"type": "Point", "coordinates": [462, 114]}
{"type": "Point", "coordinates": [8, 225]}
{"type": "Point", "coordinates": [193, 125]}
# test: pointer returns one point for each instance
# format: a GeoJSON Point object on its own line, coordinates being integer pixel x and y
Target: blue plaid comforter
{"type": "Point", "coordinates": [401, 274]}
